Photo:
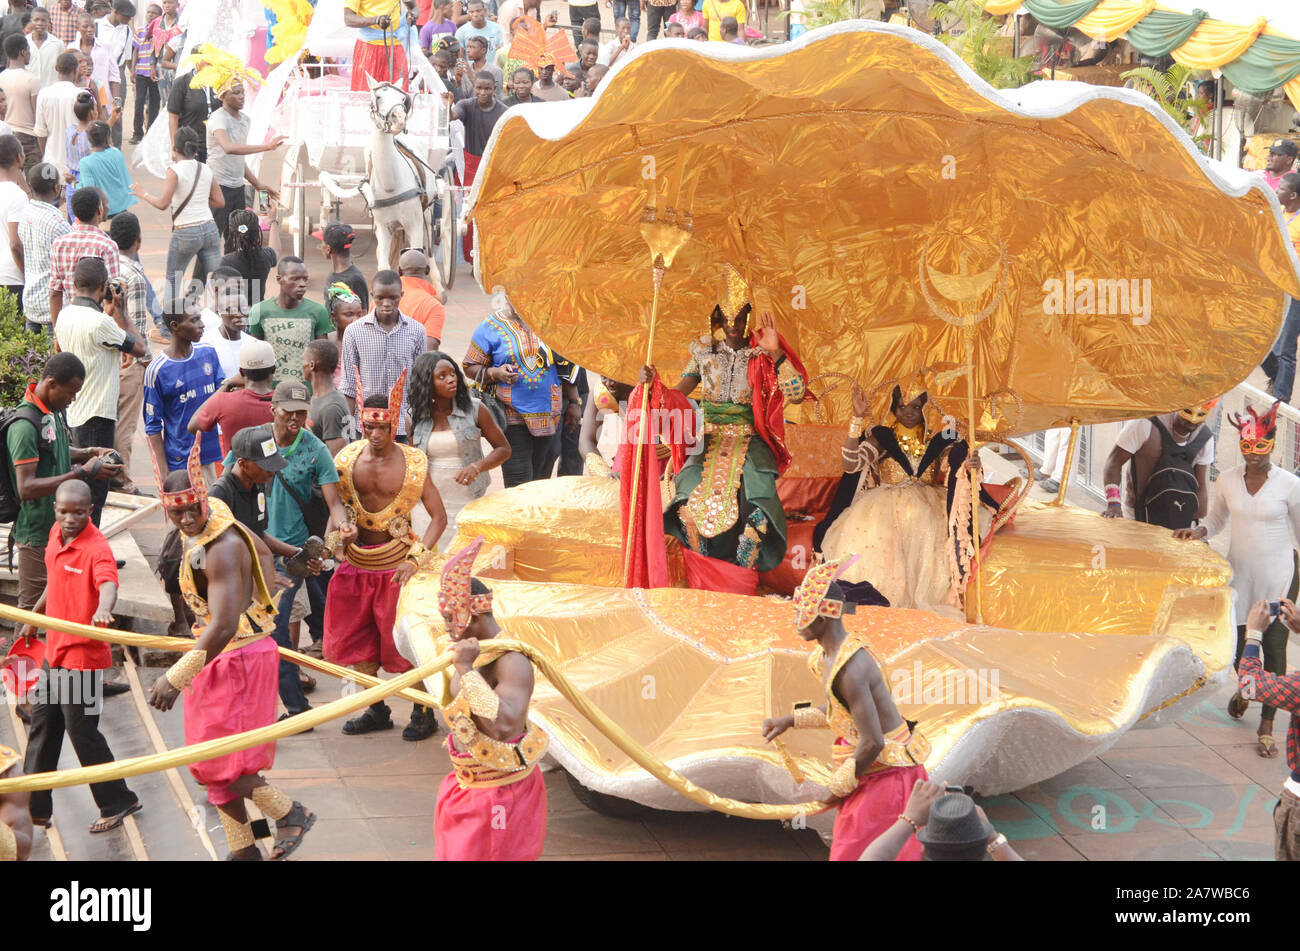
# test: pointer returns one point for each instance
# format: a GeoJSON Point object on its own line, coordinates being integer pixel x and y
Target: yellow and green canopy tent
{"type": "Point", "coordinates": [1255, 56]}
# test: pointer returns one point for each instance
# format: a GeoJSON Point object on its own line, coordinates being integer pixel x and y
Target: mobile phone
{"type": "Point", "coordinates": [263, 200]}
{"type": "Point", "coordinates": [1274, 608]}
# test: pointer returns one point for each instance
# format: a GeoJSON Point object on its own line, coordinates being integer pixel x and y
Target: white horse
{"type": "Point", "coordinates": [398, 188]}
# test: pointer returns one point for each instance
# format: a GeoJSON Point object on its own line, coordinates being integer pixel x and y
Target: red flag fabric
{"type": "Point", "coordinates": [769, 402]}
{"type": "Point", "coordinates": [672, 419]}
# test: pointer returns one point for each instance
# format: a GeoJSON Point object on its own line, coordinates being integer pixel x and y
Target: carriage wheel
{"type": "Point", "coordinates": [446, 232]}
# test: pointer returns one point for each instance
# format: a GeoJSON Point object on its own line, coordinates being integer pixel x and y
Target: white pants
{"type": "Point", "coordinates": [1056, 444]}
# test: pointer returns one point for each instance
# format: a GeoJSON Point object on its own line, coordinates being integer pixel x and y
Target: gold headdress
{"type": "Point", "coordinates": [198, 489]}
{"type": "Point", "coordinates": [216, 69]}
{"type": "Point", "coordinates": [737, 295]}
{"type": "Point", "coordinates": [455, 596]}
{"type": "Point", "coordinates": [292, 17]}
{"type": "Point", "coordinates": [378, 415]}
{"type": "Point", "coordinates": [810, 601]}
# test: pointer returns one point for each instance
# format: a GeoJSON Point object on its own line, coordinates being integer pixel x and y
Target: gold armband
{"type": "Point", "coordinates": [239, 835]}
{"type": "Point", "coordinates": [845, 779]}
{"type": "Point", "coordinates": [483, 699]}
{"type": "Point", "coordinates": [809, 718]}
{"type": "Point", "coordinates": [274, 802]}
{"type": "Point", "coordinates": [182, 673]}
{"type": "Point", "coordinates": [8, 844]}
{"type": "Point", "coordinates": [419, 555]}
{"type": "Point", "coordinates": [856, 426]}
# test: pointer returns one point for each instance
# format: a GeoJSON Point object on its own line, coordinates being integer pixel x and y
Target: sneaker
{"type": "Point", "coordinates": [135, 140]}
{"type": "Point", "coordinates": [1050, 486]}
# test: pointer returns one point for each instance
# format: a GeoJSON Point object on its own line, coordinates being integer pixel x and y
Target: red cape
{"type": "Point", "coordinates": [769, 401]}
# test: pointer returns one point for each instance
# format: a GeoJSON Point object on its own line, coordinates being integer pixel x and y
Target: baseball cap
{"type": "Point", "coordinates": [337, 235]}
{"type": "Point", "coordinates": [257, 445]}
{"type": "Point", "coordinates": [1285, 147]}
{"type": "Point", "coordinates": [256, 354]}
{"type": "Point", "coordinates": [291, 395]}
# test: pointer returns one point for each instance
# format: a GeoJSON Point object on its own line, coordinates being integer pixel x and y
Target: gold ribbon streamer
{"type": "Point", "coordinates": [185, 755]}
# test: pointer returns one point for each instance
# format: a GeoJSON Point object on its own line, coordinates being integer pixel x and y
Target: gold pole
{"type": "Point", "coordinates": [641, 429]}
{"type": "Point", "coordinates": [972, 449]}
{"type": "Point", "coordinates": [1069, 463]}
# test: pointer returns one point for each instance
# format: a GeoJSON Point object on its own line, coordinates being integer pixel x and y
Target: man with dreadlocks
{"type": "Point", "coordinates": [380, 482]}
{"type": "Point", "coordinates": [232, 671]}
{"type": "Point", "coordinates": [879, 755]}
{"type": "Point", "coordinates": [492, 806]}
{"type": "Point", "coordinates": [1262, 502]}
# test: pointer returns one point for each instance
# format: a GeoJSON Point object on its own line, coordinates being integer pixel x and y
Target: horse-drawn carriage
{"type": "Point", "coordinates": [382, 160]}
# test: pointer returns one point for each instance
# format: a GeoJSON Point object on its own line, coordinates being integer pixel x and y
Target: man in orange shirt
{"type": "Point", "coordinates": [421, 300]}
{"type": "Point", "coordinates": [81, 587]}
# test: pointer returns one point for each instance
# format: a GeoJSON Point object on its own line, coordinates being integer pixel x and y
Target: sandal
{"type": "Point", "coordinates": [307, 682]}
{"type": "Point", "coordinates": [369, 722]}
{"type": "Point", "coordinates": [422, 726]}
{"type": "Point", "coordinates": [298, 818]}
{"type": "Point", "coordinates": [1267, 745]}
{"type": "Point", "coordinates": [1237, 706]}
{"type": "Point", "coordinates": [112, 822]}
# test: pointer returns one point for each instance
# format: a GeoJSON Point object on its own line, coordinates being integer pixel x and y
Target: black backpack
{"type": "Point", "coordinates": [1170, 497]}
{"type": "Point", "coordinates": [9, 501]}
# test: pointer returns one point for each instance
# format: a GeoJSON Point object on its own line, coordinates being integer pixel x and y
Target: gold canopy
{"type": "Point", "coordinates": [883, 197]}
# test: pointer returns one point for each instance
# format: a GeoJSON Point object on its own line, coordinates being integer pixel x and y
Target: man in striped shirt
{"type": "Point", "coordinates": [85, 240]}
{"type": "Point", "coordinates": [133, 306]}
{"type": "Point", "coordinates": [381, 346]}
{"type": "Point", "coordinates": [97, 339]}
{"type": "Point", "coordinates": [38, 225]}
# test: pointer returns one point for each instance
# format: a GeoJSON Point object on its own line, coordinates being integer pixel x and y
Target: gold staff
{"type": "Point", "coordinates": [665, 233]}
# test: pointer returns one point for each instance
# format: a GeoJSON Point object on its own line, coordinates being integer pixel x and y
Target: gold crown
{"type": "Point", "coordinates": [737, 295]}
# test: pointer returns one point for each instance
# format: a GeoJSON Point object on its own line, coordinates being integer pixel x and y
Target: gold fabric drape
{"type": "Point", "coordinates": [1113, 18]}
{"type": "Point", "coordinates": [931, 205]}
{"type": "Point", "coordinates": [1215, 43]}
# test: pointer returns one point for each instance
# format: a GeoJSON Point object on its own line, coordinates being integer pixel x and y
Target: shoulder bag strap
{"type": "Point", "coordinates": [198, 173]}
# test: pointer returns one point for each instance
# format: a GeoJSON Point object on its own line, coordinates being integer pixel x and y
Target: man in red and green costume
{"type": "Point", "coordinates": [726, 511]}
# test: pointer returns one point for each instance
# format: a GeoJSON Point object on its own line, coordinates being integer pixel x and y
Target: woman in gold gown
{"type": "Point", "coordinates": [894, 502]}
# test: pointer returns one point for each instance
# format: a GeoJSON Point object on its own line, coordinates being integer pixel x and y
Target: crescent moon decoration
{"type": "Point", "coordinates": [955, 283]}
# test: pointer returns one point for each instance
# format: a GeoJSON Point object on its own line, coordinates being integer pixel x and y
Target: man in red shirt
{"type": "Point", "coordinates": [249, 405]}
{"type": "Point", "coordinates": [421, 300]}
{"type": "Point", "coordinates": [81, 587]}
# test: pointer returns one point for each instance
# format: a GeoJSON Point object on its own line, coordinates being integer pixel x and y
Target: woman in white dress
{"type": "Point", "coordinates": [450, 426]}
{"type": "Point", "coordinates": [1262, 503]}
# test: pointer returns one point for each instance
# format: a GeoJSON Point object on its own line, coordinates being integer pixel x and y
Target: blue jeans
{"type": "Point", "coordinates": [295, 701]}
{"type": "Point", "coordinates": [630, 9]}
{"type": "Point", "coordinates": [201, 241]}
{"type": "Point", "coordinates": [1284, 352]}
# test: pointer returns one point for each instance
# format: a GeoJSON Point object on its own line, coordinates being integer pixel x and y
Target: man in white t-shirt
{"type": "Point", "coordinates": [54, 110]}
{"type": "Point", "coordinates": [1169, 458]}
{"type": "Point", "coordinates": [13, 199]}
{"type": "Point", "coordinates": [224, 322]}
{"type": "Point", "coordinates": [98, 338]}
{"type": "Point", "coordinates": [45, 47]}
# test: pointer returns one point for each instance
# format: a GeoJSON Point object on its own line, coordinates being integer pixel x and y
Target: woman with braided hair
{"type": "Point", "coordinates": [246, 252]}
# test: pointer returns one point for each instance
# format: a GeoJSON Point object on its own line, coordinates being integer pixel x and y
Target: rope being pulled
{"type": "Point", "coordinates": [401, 685]}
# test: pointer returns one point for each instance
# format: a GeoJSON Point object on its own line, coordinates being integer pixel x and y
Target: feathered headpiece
{"type": "Point", "coordinates": [535, 49]}
{"type": "Point", "coordinates": [1257, 432]}
{"type": "Point", "coordinates": [455, 597]}
{"type": "Point", "coordinates": [216, 69]}
{"type": "Point", "coordinates": [198, 489]}
{"type": "Point", "coordinates": [377, 415]}
{"type": "Point", "coordinates": [292, 17]}
{"type": "Point", "coordinates": [810, 599]}
{"type": "Point", "coordinates": [1197, 414]}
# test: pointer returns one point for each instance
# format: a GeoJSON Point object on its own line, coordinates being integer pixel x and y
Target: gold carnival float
{"type": "Point", "coordinates": [1050, 256]}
